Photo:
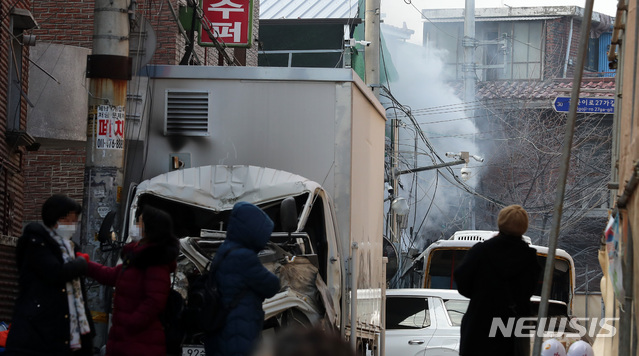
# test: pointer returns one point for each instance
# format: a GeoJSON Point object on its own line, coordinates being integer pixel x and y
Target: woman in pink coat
{"type": "Point", "coordinates": [142, 284]}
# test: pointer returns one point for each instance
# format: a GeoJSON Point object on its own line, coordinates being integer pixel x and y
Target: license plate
{"type": "Point", "coordinates": [193, 350]}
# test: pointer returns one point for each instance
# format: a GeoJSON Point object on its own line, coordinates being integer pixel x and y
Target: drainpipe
{"type": "Point", "coordinates": [572, 19]}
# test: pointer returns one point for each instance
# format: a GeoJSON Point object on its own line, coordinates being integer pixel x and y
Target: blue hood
{"type": "Point", "coordinates": [249, 226]}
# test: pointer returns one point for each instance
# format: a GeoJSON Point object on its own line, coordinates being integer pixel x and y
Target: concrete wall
{"type": "Point", "coordinates": [588, 306]}
{"type": "Point", "coordinates": [58, 86]}
{"type": "Point", "coordinates": [627, 119]}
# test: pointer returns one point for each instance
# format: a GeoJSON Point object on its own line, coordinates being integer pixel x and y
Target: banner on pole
{"type": "Point", "coordinates": [110, 128]}
{"type": "Point", "coordinates": [615, 253]}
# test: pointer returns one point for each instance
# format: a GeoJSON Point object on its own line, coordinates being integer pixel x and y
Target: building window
{"type": "Point", "coordinates": [507, 50]}
{"type": "Point", "coordinates": [301, 45]}
{"type": "Point", "coordinates": [597, 57]}
{"type": "Point", "coordinates": [525, 56]}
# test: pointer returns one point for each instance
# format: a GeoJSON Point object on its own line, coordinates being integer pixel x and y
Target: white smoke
{"type": "Point", "coordinates": [418, 82]}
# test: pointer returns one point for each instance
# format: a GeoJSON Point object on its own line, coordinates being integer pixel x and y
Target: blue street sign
{"type": "Point", "coordinates": [586, 105]}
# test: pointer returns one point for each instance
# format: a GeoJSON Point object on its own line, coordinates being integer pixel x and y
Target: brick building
{"type": "Point", "coordinates": [44, 119]}
{"type": "Point", "coordinates": [66, 29]}
{"type": "Point", "coordinates": [17, 22]}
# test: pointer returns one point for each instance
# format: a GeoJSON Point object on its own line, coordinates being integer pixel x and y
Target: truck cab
{"type": "Point", "coordinates": [434, 268]}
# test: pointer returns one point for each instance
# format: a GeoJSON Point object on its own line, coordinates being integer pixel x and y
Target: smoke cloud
{"type": "Point", "coordinates": [418, 81]}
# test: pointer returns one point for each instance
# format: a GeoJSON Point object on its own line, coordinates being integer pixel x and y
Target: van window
{"type": "Point", "coordinates": [561, 280]}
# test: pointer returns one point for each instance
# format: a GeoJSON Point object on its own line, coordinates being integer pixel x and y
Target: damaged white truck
{"type": "Point", "coordinates": [306, 146]}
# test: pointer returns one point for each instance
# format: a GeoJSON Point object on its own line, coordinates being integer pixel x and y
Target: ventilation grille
{"type": "Point", "coordinates": [187, 113]}
{"type": "Point", "coordinates": [470, 238]}
{"type": "Point", "coordinates": [473, 235]}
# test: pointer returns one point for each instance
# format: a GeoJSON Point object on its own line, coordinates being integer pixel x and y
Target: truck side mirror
{"type": "Point", "coordinates": [104, 236]}
{"type": "Point", "coordinates": [288, 215]}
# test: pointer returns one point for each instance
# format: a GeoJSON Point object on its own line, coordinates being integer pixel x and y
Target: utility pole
{"type": "Point", "coordinates": [109, 69]}
{"type": "Point", "coordinates": [561, 179]}
{"type": "Point", "coordinates": [372, 67]}
{"type": "Point", "coordinates": [371, 51]}
{"type": "Point", "coordinates": [469, 43]}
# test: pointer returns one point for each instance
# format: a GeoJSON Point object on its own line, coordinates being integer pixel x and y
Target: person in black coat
{"type": "Point", "coordinates": [499, 276]}
{"type": "Point", "coordinates": [44, 323]}
{"type": "Point", "coordinates": [242, 277]}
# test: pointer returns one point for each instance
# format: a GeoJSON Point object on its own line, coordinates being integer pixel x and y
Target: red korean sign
{"type": "Point", "coordinates": [230, 21]}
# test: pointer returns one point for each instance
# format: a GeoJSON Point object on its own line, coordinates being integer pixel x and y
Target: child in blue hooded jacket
{"type": "Point", "coordinates": [249, 230]}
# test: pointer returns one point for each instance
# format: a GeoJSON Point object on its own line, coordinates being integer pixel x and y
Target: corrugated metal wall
{"type": "Point", "coordinates": [8, 277]}
{"type": "Point", "coordinates": [604, 46]}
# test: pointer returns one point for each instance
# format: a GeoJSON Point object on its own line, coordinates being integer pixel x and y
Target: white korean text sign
{"type": "Point", "coordinates": [110, 128]}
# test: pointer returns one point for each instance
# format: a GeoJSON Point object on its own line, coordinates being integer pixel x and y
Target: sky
{"type": "Point", "coordinates": [395, 12]}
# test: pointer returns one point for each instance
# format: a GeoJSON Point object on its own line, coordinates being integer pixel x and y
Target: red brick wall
{"type": "Point", "coordinates": [8, 278]}
{"type": "Point", "coordinates": [166, 30]}
{"type": "Point", "coordinates": [70, 22]}
{"type": "Point", "coordinates": [11, 167]}
{"type": "Point", "coordinates": [11, 178]}
{"type": "Point", "coordinates": [557, 32]}
{"type": "Point", "coordinates": [64, 22]}
{"type": "Point", "coordinates": [50, 172]}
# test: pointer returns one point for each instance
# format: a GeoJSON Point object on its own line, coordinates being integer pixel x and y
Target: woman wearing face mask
{"type": "Point", "coordinates": [142, 284]}
{"type": "Point", "coordinates": [51, 316]}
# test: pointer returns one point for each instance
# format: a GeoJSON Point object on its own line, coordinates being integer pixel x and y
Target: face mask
{"type": "Point", "coordinates": [134, 233]}
{"type": "Point", "coordinates": [65, 231]}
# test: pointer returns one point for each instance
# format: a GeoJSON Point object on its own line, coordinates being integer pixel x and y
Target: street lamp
{"type": "Point", "coordinates": [400, 206]}
{"type": "Point", "coordinates": [398, 209]}
{"type": "Point", "coordinates": [465, 173]}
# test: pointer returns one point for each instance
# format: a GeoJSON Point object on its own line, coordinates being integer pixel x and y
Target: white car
{"type": "Point", "coordinates": [423, 322]}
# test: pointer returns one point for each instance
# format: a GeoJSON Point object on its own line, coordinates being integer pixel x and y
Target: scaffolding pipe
{"type": "Point", "coordinates": [612, 52]}
{"type": "Point", "coordinates": [354, 274]}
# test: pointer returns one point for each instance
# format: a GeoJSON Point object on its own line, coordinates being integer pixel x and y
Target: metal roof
{"type": "Point", "coordinates": [513, 13]}
{"type": "Point", "coordinates": [308, 9]}
{"type": "Point", "coordinates": [487, 19]}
